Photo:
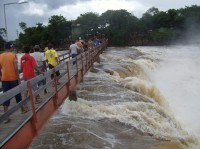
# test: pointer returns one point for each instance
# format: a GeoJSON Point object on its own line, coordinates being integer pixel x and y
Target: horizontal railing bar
{"type": "Point", "coordinates": [35, 93]}
{"type": "Point", "coordinates": [61, 66]}
{"type": "Point", "coordinates": [12, 92]}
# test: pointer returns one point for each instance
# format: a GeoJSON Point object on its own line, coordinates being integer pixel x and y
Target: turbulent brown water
{"type": "Point", "coordinates": [118, 107]}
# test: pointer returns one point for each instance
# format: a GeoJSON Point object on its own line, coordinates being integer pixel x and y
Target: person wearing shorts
{"type": "Point", "coordinates": [9, 75]}
{"type": "Point", "coordinates": [52, 59]}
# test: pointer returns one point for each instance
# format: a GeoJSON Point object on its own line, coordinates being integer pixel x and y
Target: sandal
{"type": "Point", "coordinates": [38, 100]}
{"type": "Point", "coordinates": [24, 109]}
{"type": "Point", "coordinates": [46, 91]}
{"type": "Point", "coordinates": [7, 121]}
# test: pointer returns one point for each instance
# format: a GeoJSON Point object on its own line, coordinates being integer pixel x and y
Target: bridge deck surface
{"type": "Point", "coordinates": [17, 118]}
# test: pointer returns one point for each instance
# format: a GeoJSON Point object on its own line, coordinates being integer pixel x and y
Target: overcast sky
{"type": "Point", "coordinates": [40, 10]}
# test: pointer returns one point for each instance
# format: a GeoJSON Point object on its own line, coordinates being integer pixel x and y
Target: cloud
{"type": "Point", "coordinates": [104, 5]}
{"type": "Point", "coordinates": [41, 10]}
{"type": "Point", "coordinates": [73, 11]}
{"type": "Point", "coordinates": [165, 5]}
{"type": "Point", "coordinates": [55, 4]}
{"type": "Point", "coordinates": [36, 9]}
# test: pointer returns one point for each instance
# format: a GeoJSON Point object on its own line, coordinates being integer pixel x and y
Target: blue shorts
{"type": "Point", "coordinates": [74, 55]}
{"type": "Point", "coordinates": [57, 72]}
{"type": "Point", "coordinates": [7, 85]}
{"type": "Point", "coordinates": [42, 82]}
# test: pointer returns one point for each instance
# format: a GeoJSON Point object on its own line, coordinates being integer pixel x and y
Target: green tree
{"type": "Point", "coordinates": [23, 25]}
{"type": "Point", "coordinates": [121, 27]}
{"type": "Point", "coordinates": [119, 24]}
{"type": "Point", "coordinates": [163, 36]}
{"type": "Point", "coordinates": [148, 18]}
{"type": "Point", "coordinates": [58, 30]}
{"type": "Point", "coordinates": [89, 23]}
{"type": "Point", "coordinates": [31, 36]}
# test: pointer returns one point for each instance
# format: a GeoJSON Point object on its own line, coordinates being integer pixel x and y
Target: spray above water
{"type": "Point", "coordinates": [178, 78]}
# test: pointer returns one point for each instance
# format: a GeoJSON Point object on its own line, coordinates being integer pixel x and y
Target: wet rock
{"type": "Point", "coordinates": [73, 96]}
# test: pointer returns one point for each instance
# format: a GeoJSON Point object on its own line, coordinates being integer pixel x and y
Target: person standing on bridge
{"type": "Point", "coordinates": [73, 51]}
{"type": "Point", "coordinates": [28, 65]}
{"type": "Point", "coordinates": [9, 75]}
{"type": "Point", "coordinates": [40, 64]}
{"type": "Point", "coordinates": [52, 59]}
{"type": "Point", "coordinates": [89, 44]}
{"type": "Point", "coordinates": [79, 45]}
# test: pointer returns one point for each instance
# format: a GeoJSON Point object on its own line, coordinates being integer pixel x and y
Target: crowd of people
{"type": "Point", "coordinates": [33, 64]}
{"type": "Point", "coordinates": [78, 46]}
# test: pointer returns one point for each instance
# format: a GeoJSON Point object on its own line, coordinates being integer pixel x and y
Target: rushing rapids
{"type": "Point", "coordinates": [123, 102]}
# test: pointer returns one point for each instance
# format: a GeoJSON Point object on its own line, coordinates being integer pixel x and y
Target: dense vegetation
{"type": "Point", "coordinates": [121, 27]}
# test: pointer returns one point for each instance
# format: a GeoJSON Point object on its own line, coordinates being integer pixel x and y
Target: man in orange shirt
{"type": "Point", "coordinates": [9, 75]}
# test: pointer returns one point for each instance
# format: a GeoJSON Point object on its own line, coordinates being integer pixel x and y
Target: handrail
{"type": "Point", "coordinates": [71, 74]}
{"type": "Point", "coordinates": [64, 56]}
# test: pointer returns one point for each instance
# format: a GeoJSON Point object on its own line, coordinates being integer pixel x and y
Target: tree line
{"type": "Point", "coordinates": [121, 27]}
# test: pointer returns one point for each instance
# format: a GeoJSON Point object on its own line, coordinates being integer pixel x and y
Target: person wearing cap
{"type": "Point", "coordinates": [9, 75]}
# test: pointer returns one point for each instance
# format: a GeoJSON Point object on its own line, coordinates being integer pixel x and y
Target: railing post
{"type": "Point", "coordinates": [91, 57]}
{"type": "Point", "coordinates": [82, 66]}
{"type": "Point", "coordinates": [55, 86]}
{"type": "Point", "coordinates": [98, 53]}
{"type": "Point", "coordinates": [102, 48]}
{"type": "Point", "coordinates": [34, 119]}
{"type": "Point", "coordinates": [68, 77]}
{"type": "Point", "coordinates": [94, 56]}
{"type": "Point", "coordinates": [88, 59]}
{"type": "Point", "coordinates": [86, 63]}
{"type": "Point", "coordinates": [76, 75]}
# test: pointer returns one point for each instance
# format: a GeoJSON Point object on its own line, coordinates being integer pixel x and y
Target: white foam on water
{"type": "Point", "coordinates": [178, 79]}
{"type": "Point", "coordinates": [147, 117]}
{"type": "Point", "coordinates": [176, 75]}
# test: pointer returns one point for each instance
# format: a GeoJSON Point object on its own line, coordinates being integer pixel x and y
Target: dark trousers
{"type": "Point", "coordinates": [7, 85]}
{"type": "Point", "coordinates": [74, 55]}
{"type": "Point", "coordinates": [57, 72]}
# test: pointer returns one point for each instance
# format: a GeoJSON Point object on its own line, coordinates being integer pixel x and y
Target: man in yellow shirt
{"type": "Point", "coordinates": [52, 59]}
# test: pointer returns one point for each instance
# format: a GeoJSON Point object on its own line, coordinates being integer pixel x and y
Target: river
{"type": "Point", "coordinates": [135, 98]}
